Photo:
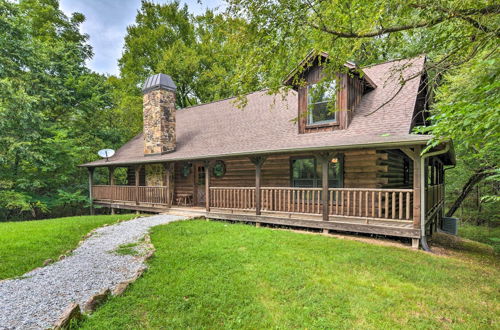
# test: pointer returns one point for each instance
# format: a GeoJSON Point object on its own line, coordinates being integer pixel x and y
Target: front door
{"type": "Point", "coordinates": [200, 185]}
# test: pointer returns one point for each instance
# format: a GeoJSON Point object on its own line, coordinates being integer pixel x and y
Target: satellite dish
{"type": "Point", "coordinates": [106, 153]}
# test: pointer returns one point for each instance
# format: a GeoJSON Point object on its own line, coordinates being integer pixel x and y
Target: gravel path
{"type": "Point", "coordinates": [38, 298]}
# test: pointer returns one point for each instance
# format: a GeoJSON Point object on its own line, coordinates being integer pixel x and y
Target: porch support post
{"type": "Point", "coordinates": [258, 162]}
{"type": "Point", "coordinates": [91, 188]}
{"type": "Point", "coordinates": [208, 169]}
{"type": "Point", "coordinates": [415, 156]}
{"type": "Point", "coordinates": [168, 181]}
{"type": "Point", "coordinates": [417, 188]}
{"type": "Point", "coordinates": [137, 173]}
{"type": "Point", "coordinates": [111, 175]}
{"type": "Point", "coordinates": [112, 183]}
{"type": "Point", "coordinates": [324, 158]}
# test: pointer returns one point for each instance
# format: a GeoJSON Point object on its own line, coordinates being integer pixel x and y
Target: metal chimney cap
{"type": "Point", "coordinates": [158, 81]}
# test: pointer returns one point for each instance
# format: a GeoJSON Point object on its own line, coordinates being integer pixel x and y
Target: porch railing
{"type": "Point", "coordinates": [239, 198]}
{"type": "Point", "coordinates": [381, 204]}
{"type": "Point", "coordinates": [138, 194]}
{"type": "Point", "coordinates": [296, 200]}
{"type": "Point", "coordinates": [384, 204]}
{"type": "Point", "coordinates": [434, 196]}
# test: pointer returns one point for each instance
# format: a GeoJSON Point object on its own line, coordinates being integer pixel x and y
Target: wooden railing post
{"type": "Point", "coordinates": [137, 181]}
{"type": "Point", "coordinates": [208, 169]}
{"type": "Point", "coordinates": [258, 162]}
{"type": "Point", "coordinates": [91, 186]}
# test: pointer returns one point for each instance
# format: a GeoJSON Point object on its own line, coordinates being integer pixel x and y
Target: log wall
{"type": "Point", "coordinates": [183, 185]}
{"type": "Point", "coordinates": [394, 174]}
{"type": "Point", "coordinates": [364, 168]}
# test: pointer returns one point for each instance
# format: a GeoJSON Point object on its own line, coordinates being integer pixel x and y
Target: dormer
{"type": "Point", "coordinates": [326, 104]}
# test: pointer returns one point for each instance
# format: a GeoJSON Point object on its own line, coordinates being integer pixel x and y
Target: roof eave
{"type": "Point", "coordinates": [391, 144]}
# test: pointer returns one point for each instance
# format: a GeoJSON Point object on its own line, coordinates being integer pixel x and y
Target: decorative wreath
{"type": "Point", "coordinates": [219, 169]}
{"type": "Point", "coordinates": [186, 169]}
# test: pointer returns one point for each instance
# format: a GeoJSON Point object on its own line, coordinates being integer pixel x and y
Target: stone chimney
{"type": "Point", "coordinates": [159, 114]}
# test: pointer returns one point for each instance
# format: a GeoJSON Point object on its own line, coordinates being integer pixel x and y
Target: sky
{"type": "Point", "coordinates": [106, 24]}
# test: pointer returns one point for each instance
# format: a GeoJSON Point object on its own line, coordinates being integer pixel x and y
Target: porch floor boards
{"type": "Point", "coordinates": [349, 224]}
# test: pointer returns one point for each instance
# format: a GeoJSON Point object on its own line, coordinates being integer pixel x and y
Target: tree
{"type": "Point", "coordinates": [198, 52]}
{"type": "Point", "coordinates": [459, 38]}
{"type": "Point", "coordinates": [54, 112]}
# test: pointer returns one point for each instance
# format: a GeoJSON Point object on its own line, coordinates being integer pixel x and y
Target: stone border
{"type": "Point", "coordinates": [75, 312]}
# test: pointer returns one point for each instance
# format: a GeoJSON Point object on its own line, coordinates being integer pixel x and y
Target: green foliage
{"type": "Point", "coordinates": [54, 112]}
{"type": "Point", "coordinates": [198, 52]}
{"type": "Point", "coordinates": [460, 39]}
{"type": "Point", "coordinates": [212, 275]}
{"type": "Point", "coordinates": [283, 31]}
{"type": "Point", "coordinates": [483, 234]}
{"type": "Point", "coordinates": [468, 110]}
{"type": "Point", "coordinates": [25, 245]}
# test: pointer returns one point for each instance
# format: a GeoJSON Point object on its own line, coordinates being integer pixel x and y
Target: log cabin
{"type": "Point", "coordinates": [327, 153]}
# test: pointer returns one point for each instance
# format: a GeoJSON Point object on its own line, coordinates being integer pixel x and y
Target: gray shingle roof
{"type": "Point", "coordinates": [267, 123]}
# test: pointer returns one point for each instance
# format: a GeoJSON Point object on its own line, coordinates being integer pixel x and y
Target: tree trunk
{"type": "Point", "coordinates": [479, 175]}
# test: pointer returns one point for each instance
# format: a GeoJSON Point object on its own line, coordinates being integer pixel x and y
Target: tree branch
{"type": "Point", "coordinates": [462, 14]}
{"type": "Point", "coordinates": [477, 177]}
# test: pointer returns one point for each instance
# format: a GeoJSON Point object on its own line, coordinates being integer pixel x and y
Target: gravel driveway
{"type": "Point", "coordinates": [38, 298]}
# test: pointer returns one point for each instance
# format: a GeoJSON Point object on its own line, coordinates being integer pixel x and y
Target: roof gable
{"type": "Point", "coordinates": [314, 58]}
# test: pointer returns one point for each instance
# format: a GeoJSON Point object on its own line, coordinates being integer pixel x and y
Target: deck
{"type": "Point", "coordinates": [301, 220]}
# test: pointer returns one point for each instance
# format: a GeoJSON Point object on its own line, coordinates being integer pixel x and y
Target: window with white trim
{"type": "Point", "coordinates": [321, 103]}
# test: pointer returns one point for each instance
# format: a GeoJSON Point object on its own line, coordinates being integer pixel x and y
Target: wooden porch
{"type": "Point", "coordinates": [377, 194]}
{"type": "Point", "coordinates": [375, 211]}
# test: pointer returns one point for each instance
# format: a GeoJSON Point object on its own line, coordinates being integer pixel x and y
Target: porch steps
{"type": "Point", "coordinates": [186, 212]}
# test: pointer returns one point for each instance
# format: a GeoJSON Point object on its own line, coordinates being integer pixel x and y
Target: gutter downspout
{"type": "Point", "coordinates": [423, 239]}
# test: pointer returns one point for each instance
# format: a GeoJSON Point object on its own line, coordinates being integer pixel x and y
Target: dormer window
{"type": "Point", "coordinates": [321, 103]}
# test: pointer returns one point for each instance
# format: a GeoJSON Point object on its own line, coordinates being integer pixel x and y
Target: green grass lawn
{"type": "Point", "coordinates": [26, 245]}
{"type": "Point", "coordinates": [483, 234]}
{"type": "Point", "coordinates": [217, 275]}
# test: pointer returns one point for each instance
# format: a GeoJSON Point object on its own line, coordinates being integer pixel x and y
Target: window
{"type": "Point", "coordinates": [306, 172]}
{"type": "Point", "coordinates": [321, 103]}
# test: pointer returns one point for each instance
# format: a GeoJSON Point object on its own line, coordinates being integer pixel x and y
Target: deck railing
{"type": "Point", "coordinates": [381, 204]}
{"type": "Point", "coordinates": [295, 200]}
{"type": "Point", "coordinates": [138, 194]}
{"type": "Point", "coordinates": [434, 196]}
{"type": "Point", "coordinates": [238, 198]}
